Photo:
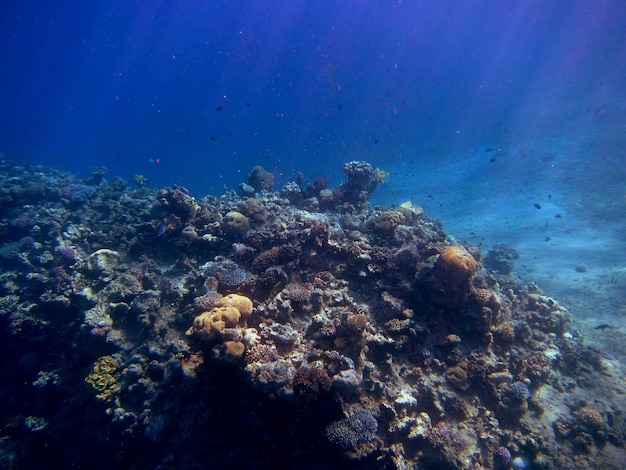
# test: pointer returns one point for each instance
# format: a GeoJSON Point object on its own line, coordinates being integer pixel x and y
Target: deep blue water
{"type": "Point", "coordinates": [209, 89]}
{"type": "Point", "coordinates": [506, 120]}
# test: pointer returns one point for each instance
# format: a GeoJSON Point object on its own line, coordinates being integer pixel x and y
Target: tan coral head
{"type": "Point", "coordinates": [455, 265]}
{"type": "Point", "coordinates": [240, 302]}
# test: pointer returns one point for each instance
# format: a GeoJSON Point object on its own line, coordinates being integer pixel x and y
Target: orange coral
{"type": "Point", "coordinates": [450, 282]}
{"type": "Point", "coordinates": [455, 265]}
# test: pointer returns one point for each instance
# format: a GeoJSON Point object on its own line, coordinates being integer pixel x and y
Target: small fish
{"type": "Point", "coordinates": [492, 159]}
{"type": "Point", "coordinates": [605, 326]}
{"type": "Point", "coordinates": [537, 206]}
{"type": "Point", "coordinates": [160, 230]}
{"type": "Point", "coordinates": [558, 216]}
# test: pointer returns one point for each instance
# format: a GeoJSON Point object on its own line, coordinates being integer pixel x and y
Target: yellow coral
{"type": "Point", "coordinates": [227, 313]}
{"type": "Point", "coordinates": [210, 325]}
{"type": "Point", "coordinates": [240, 302]}
{"type": "Point", "coordinates": [105, 365]}
{"type": "Point", "coordinates": [100, 382]}
{"type": "Point", "coordinates": [450, 282]}
{"type": "Point", "coordinates": [101, 375]}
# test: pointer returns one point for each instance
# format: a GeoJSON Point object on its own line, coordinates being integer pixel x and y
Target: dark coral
{"type": "Point", "coordinates": [311, 383]}
{"type": "Point", "coordinates": [349, 432]}
{"type": "Point", "coordinates": [519, 391]}
{"type": "Point", "coordinates": [260, 179]}
{"type": "Point", "coordinates": [299, 292]}
{"type": "Point", "coordinates": [317, 185]}
{"type": "Point", "coordinates": [501, 259]}
{"type": "Point", "coordinates": [176, 201]}
{"type": "Point", "coordinates": [228, 273]}
{"type": "Point", "coordinates": [277, 255]}
{"type": "Point", "coordinates": [502, 458]}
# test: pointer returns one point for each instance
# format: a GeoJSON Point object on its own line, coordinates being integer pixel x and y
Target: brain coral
{"type": "Point", "coordinates": [235, 223]}
{"type": "Point", "coordinates": [455, 265]}
{"type": "Point", "coordinates": [457, 378]}
{"type": "Point", "coordinates": [450, 282]}
{"type": "Point", "coordinates": [254, 209]}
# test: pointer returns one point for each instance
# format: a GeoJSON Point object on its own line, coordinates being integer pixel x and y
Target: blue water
{"type": "Point", "coordinates": [506, 120]}
{"type": "Point", "coordinates": [479, 110]}
{"type": "Point", "coordinates": [196, 92]}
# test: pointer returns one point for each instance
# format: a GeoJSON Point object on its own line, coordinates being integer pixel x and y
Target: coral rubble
{"type": "Point", "coordinates": [148, 326]}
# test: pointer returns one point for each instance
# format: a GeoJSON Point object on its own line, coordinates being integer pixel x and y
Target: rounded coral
{"type": "Point", "coordinates": [240, 302]}
{"type": "Point", "coordinates": [455, 265]}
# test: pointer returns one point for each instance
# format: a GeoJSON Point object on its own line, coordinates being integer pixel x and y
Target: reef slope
{"type": "Point", "coordinates": [298, 327]}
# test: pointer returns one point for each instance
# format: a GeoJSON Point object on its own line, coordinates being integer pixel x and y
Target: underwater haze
{"type": "Point", "coordinates": [423, 205]}
{"type": "Point", "coordinates": [208, 89]}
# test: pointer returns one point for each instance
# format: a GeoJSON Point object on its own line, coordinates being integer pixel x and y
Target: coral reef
{"type": "Point", "coordinates": [156, 330]}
